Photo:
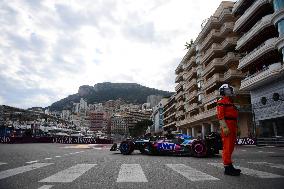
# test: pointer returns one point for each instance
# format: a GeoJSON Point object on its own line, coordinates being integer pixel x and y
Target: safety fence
{"type": "Point", "coordinates": [58, 139]}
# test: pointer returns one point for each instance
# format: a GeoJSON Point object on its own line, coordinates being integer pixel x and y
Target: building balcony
{"type": "Point", "coordinates": [214, 79]}
{"type": "Point", "coordinates": [238, 5]}
{"type": "Point", "coordinates": [180, 105]}
{"type": "Point", "coordinates": [229, 41]}
{"type": "Point", "coordinates": [185, 66]}
{"type": "Point", "coordinates": [179, 77]}
{"type": "Point", "coordinates": [191, 107]}
{"type": "Point", "coordinates": [191, 62]}
{"type": "Point", "coordinates": [280, 43]}
{"type": "Point", "coordinates": [179, 95]}
{"type": "Point", "coordinates": [209, 37]}
{"type": "Point", "coordinates": [201, 116]}
{"type": "Point", "coordinates": [219, 62]}
{"type": "Point", "coordinates": [263, 77]}
{"type": "Point", "coordinates": [191, 95]}
{"type": "Point", "coordinates": [179, 114]}
{"type": "Point", "coordinates": [249, 13]}
{"type": "Point", "coordinates": [214, 47]}
{"type": "Point", "coordinates": [277, 16]}
{"type": "Point", "coordinates": [178, 87]}
{"type": "Point", "coordinates": [214, 33]}
{"type": "Point", "coordinates": [172, 107]}
{"type": "Point", "coordinates": [190, 73]}
{"type": "Point", "coordinates": [170, 116]}
{"type": "Point", "coordinates": [190, 84]}
{"type": "Point", "coordinates": [211, 97]}
{"type": "Point", "coordinates": [231, 57]}
{"type": "Point", "coordinates": [212, 21]}
{"type": "Point", "coordinates": [261, 50]}
{"type": "Point", "coordinates": [179, 69]}
{"type": "Point", "coordinates": [259, 26]}
{"type": "Point", "coordinates": [215, 62]}
{"type": "Point", "coordinates": [227, 27]}
{"type": "Point", "coordinates": [173, 123]}
{"type": "Point", "coordinates": [231, 74]}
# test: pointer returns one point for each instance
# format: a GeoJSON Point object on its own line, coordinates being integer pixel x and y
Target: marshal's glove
{"type": "Point", "coordinates": [224, 127]}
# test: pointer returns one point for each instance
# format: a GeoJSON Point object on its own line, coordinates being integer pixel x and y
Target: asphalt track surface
{"type": "Point", "coordinates": [57, 166]}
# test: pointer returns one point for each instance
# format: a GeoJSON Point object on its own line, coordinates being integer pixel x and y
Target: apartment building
{"type": "Point", "coordinates": [169, 114]}
{"type": "Point", "coordinates": [261, 27]}
{"type": "Point", "coordinates": [180, 97]}
{"type": "Point", "coordinates": [96, 120]}
{"type": "Point", "coordinates": [119, 125]}
{"type": "Point", "coordinates": [157, 117]}
{"type": "Point", "coordinates": [210, 62]}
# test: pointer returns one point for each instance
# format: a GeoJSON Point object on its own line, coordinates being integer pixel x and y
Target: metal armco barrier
{"type": "Point", "coordinates": [246, 141]}
{"type": "Point", "coordinates": [74, 140]}
{"type": "Point", "coordinates": [61, 139]}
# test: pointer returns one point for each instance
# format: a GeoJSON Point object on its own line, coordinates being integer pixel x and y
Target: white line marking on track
{"type": "Point", "coordinates": [45, 187]}
{"type": "Point", "coordinates": [70, 174]}
{"type": "Point", "coordinates": [244, 150]}
{"type": "Point", "coordinates": [279, 166]}
{"type": "Point", "coordinates": [190, 173]}
{"type": "Point", "coordinates": [260, 151]}
{"type": "Point", "coordinates": [47, 158]}
{"type": "Point", "coordinates": [131, 173]}
{"type": "Point", "coordinates": [57, 156]}
{"type": "Point", "coordinates": [251, 172]}
{"type": "Point", "coordinates": [32, 161]}
{"type": "Point", "coordinates": [2, 163]}
{"type": "Point", "coordinates": [97, 148]}
{"type": "Point", "coordinates": [18, 170]}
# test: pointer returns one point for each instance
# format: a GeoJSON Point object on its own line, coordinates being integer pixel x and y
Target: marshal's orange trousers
{"type": "Point", "coordinates": [229, 141]}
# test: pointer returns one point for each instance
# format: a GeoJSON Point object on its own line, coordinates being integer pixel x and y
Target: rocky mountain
{"type": "Point", "coordinates": [102, 92]}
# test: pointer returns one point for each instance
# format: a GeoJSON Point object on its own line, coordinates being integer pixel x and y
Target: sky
{"type": "Point", "coordinates": [49, 48]}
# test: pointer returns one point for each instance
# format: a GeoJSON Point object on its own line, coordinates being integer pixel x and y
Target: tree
{"type": "Point", "coordinates": [140, 128]}
{"type": "Point", "coordinates": [188, 45]}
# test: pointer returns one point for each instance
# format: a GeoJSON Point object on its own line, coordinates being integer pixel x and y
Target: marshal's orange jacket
{"type": "Point", "coordinates": [227, 111]}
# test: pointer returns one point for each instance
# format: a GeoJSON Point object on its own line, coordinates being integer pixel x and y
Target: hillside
{"type": "Point", "coordinates": [102, 92]}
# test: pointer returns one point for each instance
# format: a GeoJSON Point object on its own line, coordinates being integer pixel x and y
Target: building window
{"type": "Point", "coordinates": [281, 27]}
{"type": "Point", "coordinates": [278, 4]}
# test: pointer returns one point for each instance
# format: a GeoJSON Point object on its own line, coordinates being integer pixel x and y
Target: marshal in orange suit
{"type": "Point", "coordinates": [227, 114]}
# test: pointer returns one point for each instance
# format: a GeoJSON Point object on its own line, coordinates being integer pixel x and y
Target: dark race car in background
{"type": "Point", "coordinates": [180, 145]}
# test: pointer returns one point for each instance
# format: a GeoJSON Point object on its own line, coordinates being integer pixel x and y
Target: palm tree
{"type": "Point", "coordinates": [188, 45]}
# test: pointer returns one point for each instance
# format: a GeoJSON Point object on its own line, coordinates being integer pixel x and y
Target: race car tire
{"type": "Point", "coordinates": [126, 147]}
{"type": "Point", "coordinates": [199, 149]}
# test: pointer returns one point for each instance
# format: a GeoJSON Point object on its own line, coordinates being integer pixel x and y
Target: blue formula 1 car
{"type": "Point", "coordinates": [180, 144]}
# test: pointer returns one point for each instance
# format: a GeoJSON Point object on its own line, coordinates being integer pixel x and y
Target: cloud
{"type": "Point", "coordinates": [49, 48]}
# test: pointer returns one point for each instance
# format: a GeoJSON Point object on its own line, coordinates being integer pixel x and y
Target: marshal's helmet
{"type": "Point", "coordinates": [226, 90]}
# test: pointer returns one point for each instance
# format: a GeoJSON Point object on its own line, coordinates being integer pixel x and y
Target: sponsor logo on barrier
{"type": "Point", "coordinates": [245, 141]}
